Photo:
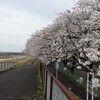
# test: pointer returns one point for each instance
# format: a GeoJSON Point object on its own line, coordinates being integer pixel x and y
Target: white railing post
{"type": "Point", "coordinates": [87, 87]}
{"type": "Point", "coordinates": [92, 88]}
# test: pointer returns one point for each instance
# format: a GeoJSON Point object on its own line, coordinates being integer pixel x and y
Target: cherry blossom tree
{"type": "Point", "coordinates": [74, 37]}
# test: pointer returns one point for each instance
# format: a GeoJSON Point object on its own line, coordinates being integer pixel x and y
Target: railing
{"type": "Point", "coordinates": [54, 89]}
{"type": "Point", "coordinates": [6, 65]}
{"type": "Point", "coordinates": [76, 76]}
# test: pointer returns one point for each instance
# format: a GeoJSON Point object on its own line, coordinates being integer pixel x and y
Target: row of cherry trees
{"type": "Point", "coordinates": [73, 37]}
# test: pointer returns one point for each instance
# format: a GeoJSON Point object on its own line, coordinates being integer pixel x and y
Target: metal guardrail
{"type": "Point", "coordinates": [53, 88]}
{"type": "Point", "coordinates": [8, 63]}
{"type": "Point", "coordinates": [6, 66]}
{"type": "Point", "coordinates": [75, 76]}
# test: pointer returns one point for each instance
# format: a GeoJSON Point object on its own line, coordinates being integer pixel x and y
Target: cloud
{"type": "Point", "coordinates": [11, 47]}
{"type": "Point", "coordinates": [20, 18]}
{"type": "Point", "coordinates": [16, 30]}
{"type": "Point", "coordinates": [47, 8]}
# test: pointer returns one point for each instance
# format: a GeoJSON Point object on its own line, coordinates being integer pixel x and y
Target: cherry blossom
{"type": "Point", "coordinates": [74, 37]}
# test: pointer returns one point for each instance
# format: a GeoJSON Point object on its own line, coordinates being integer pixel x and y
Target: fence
{"type": "Point", "coordinates": [6, 66]}
{"type": "Point", "coordinates": [78, 77]}
{"type": "Point", "coordinates": [93, 89]}
{"type": "Point", "coordinates": [53, 89]}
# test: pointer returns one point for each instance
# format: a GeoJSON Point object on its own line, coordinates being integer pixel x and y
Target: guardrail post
{"type": "Point", "coordinates": [0, 66]}
{"type": "Point", "coordinates": [10, 65]}
{"type": "Point", "coordinates": [3, 66]}
{"type": "Point", "coordinates": [6, 65]}
{"type": "Point", "coordinates": [87, 87]}
{"type": "Point", "coordinates": [51, 84]}
{"type": "Point", "coordinates": [45, 84]}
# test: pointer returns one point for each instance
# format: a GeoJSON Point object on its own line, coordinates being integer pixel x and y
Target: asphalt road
{"type": "Point", "coordinates": [19, 83]}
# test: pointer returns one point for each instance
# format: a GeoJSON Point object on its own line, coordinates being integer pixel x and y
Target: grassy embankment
{"type": "Point", "coordinates": [3, 56]}
{"type": "Point", "coordinates": [20, 61]}
{"type": "Point", "coordinates": [39, 95]}
{"type": "Point", "coordinates": [17, 61]}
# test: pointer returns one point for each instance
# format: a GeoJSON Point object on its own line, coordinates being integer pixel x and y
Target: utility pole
{"type": "Point", "coordinates": [57, 67]}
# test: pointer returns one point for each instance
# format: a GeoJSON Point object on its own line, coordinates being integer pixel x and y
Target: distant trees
{"type": "Point", "coordinates": [74, 37]}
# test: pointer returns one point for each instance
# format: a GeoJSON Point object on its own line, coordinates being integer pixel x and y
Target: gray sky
{"type": "Point", "coordinates": [20, 18]}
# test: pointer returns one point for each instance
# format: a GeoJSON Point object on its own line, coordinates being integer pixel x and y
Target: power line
{"type": "Point", "coordinates": [5, 21]}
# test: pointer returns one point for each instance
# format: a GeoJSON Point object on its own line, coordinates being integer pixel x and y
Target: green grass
{"type": "Point", "coordinates": [3, 56]}
{"type": "Point", "coordinates": [98, 97]}
{"type": "Point", "coordinates": [73, 78]}
{"type": "Point", "coordinates": [22, 61]}
{"type": "Point", "coordinates": [39, 95]}
{"type": "Point", "coordinates": [36, 61]}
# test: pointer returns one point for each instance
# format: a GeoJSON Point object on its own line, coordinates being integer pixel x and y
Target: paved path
{"type": "Point", "coordinates": [19, 84]}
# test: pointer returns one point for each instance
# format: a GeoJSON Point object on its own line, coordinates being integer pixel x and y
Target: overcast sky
{"type": "Point", "coordinates": [20, 18]}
